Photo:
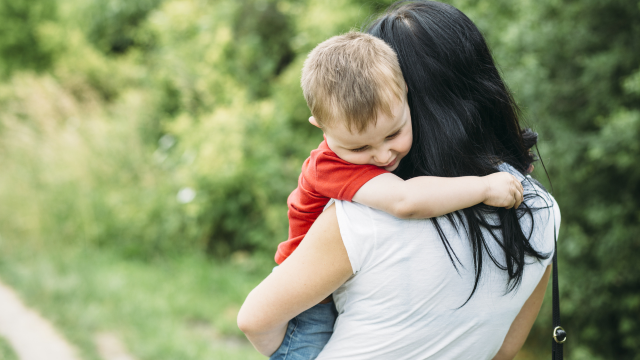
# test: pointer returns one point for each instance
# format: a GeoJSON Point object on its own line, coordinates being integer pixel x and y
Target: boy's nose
{"type": "Point", "coordinates": [383, 157]}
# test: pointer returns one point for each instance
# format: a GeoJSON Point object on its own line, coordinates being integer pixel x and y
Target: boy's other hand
{"type": "Point", "coordinates": [503, 190]}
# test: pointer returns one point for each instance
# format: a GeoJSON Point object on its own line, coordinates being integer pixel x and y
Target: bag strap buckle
{"type": "Point", "coordinates": [559, 335]}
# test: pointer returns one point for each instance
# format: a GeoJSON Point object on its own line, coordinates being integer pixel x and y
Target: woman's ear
{"type": "Point", "coordinates": [313, 122]}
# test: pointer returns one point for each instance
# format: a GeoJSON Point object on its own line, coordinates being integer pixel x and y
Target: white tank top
{"type": "Point", "coordinates": [403, 301]}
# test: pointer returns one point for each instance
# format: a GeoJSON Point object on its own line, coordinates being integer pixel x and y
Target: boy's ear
{"type": "Point", "coordinates": [313, 122]}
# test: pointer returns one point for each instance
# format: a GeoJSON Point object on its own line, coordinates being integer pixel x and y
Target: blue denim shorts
{"type": "Point", "coordinates": [307, 333]}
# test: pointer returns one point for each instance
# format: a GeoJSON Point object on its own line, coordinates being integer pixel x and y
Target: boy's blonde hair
{"type": "Point", "coordinates": [351, 78]}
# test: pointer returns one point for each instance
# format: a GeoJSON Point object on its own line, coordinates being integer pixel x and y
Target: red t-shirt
{"type": "Point", "coordinates": [324, 176]}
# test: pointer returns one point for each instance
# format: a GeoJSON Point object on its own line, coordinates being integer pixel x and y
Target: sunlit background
{"type": "Point", "coordinates": [147, 148]}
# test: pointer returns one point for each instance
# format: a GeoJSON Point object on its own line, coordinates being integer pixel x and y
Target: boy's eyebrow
{"type": "Point", "coordinates": [355, 147]}
{"type": "Point", "coordinates": [398, 128]}
{"type": "Point", "coordinates": [394, 131]}
{"type": "Point", "coordinates": [352, 146]}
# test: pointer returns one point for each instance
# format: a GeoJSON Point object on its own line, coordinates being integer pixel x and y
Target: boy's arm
{"type": "Point", "coordinates": [429, 196]}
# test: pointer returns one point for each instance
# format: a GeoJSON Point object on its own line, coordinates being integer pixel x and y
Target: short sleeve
{"type": "Point", "coordinates": [544, 215]}
{"type": "Point", "coordinates": [358, 232]}
{"type": "Point", "coordinates": [546, 219]}
{"type": "Point", "coordinates": [556, 227]}
{"type": "Point", "coordinates": [340, 180]}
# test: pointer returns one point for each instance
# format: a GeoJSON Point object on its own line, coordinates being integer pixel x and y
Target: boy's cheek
{"type": "Point", "coordinates": [406, 145]}
{"type": "Point", "coordinates": [352, 158]}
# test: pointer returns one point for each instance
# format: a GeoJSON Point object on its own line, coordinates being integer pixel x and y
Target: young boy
{"type": "Point", "coordinates": [357, 95]}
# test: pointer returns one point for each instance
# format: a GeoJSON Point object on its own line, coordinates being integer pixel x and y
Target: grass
{"type": "Point", "coordinates": [182, 308]}
{"type": "Point", "coordinates": [6, 352]}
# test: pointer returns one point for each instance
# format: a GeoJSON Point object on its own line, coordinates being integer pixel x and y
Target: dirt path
{"type": "Point", "coordinates": [31, 336]}
{"type": "Point", "coordinates": [110, 347]}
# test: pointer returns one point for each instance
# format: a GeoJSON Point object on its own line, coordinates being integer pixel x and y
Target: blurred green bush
{"type": "Point", "coordinates": [162, 127]}
{"type": "Point", "coordinates": [20, 44]}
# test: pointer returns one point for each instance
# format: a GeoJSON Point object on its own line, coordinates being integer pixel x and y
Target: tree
{"type": "Point", "coordinates": [575, 69]}
{"type": "Point", "coordinates": [20, 43]}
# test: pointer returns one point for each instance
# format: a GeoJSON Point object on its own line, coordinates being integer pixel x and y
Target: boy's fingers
{"type": "Point", "coordinates": [519, 193]}
{"type": "Point", "coordinates": [511, 203]}
{"type": "Point", "coordinates": [518, 202]}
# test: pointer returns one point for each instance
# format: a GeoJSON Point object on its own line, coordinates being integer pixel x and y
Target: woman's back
{"type": "Point", "coordinates": [405, 299]}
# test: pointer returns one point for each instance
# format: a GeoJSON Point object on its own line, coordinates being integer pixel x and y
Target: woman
{"type": "Point", "coordinates": [465, 286]}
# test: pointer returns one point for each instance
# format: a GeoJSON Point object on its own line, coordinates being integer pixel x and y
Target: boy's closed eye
{"type": "Point", "coordinates": [360, 149]}
{"type": "Point", "coordinates": [394, 135]}
{"type": "Point", "coordinates": [363, 148]}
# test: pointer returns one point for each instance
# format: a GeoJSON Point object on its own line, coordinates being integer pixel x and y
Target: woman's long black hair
{"type": "Point", "coordinates": [465, 121]}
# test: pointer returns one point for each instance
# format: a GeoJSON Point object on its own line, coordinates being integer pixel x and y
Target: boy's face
{"type": "Point", "coordinates": [383, 144]}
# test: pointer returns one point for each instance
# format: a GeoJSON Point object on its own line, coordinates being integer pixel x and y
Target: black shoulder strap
{"type": "Point", "coordinates": [559, 335]}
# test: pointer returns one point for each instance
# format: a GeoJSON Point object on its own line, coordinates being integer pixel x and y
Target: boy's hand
{"type": "Point", "coordinates": [503, 190]}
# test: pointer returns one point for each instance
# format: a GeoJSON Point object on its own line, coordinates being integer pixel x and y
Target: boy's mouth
{"type": "Point", "coordinates": [391, 163]}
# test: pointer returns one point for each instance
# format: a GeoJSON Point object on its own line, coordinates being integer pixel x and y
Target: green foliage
{"type": "Point", "coordinates": [21, 46]}
{"type": "Point", "coordinates": [114, 114]}
{"type": "Point", "coordinates": [205, 99]}
{"type": "Point", "coordinates": [6, 352]}
{"type": "Point", "coordinates": [574, 68]}
{"type": "Point", "coordinates": [184, 308]}
{"type": "Point", "coordinates": [112, 25]}
{"type": "Point", "coordinates": [595, 139]}
{"type": "Point", "coordinates": [262, 48]}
